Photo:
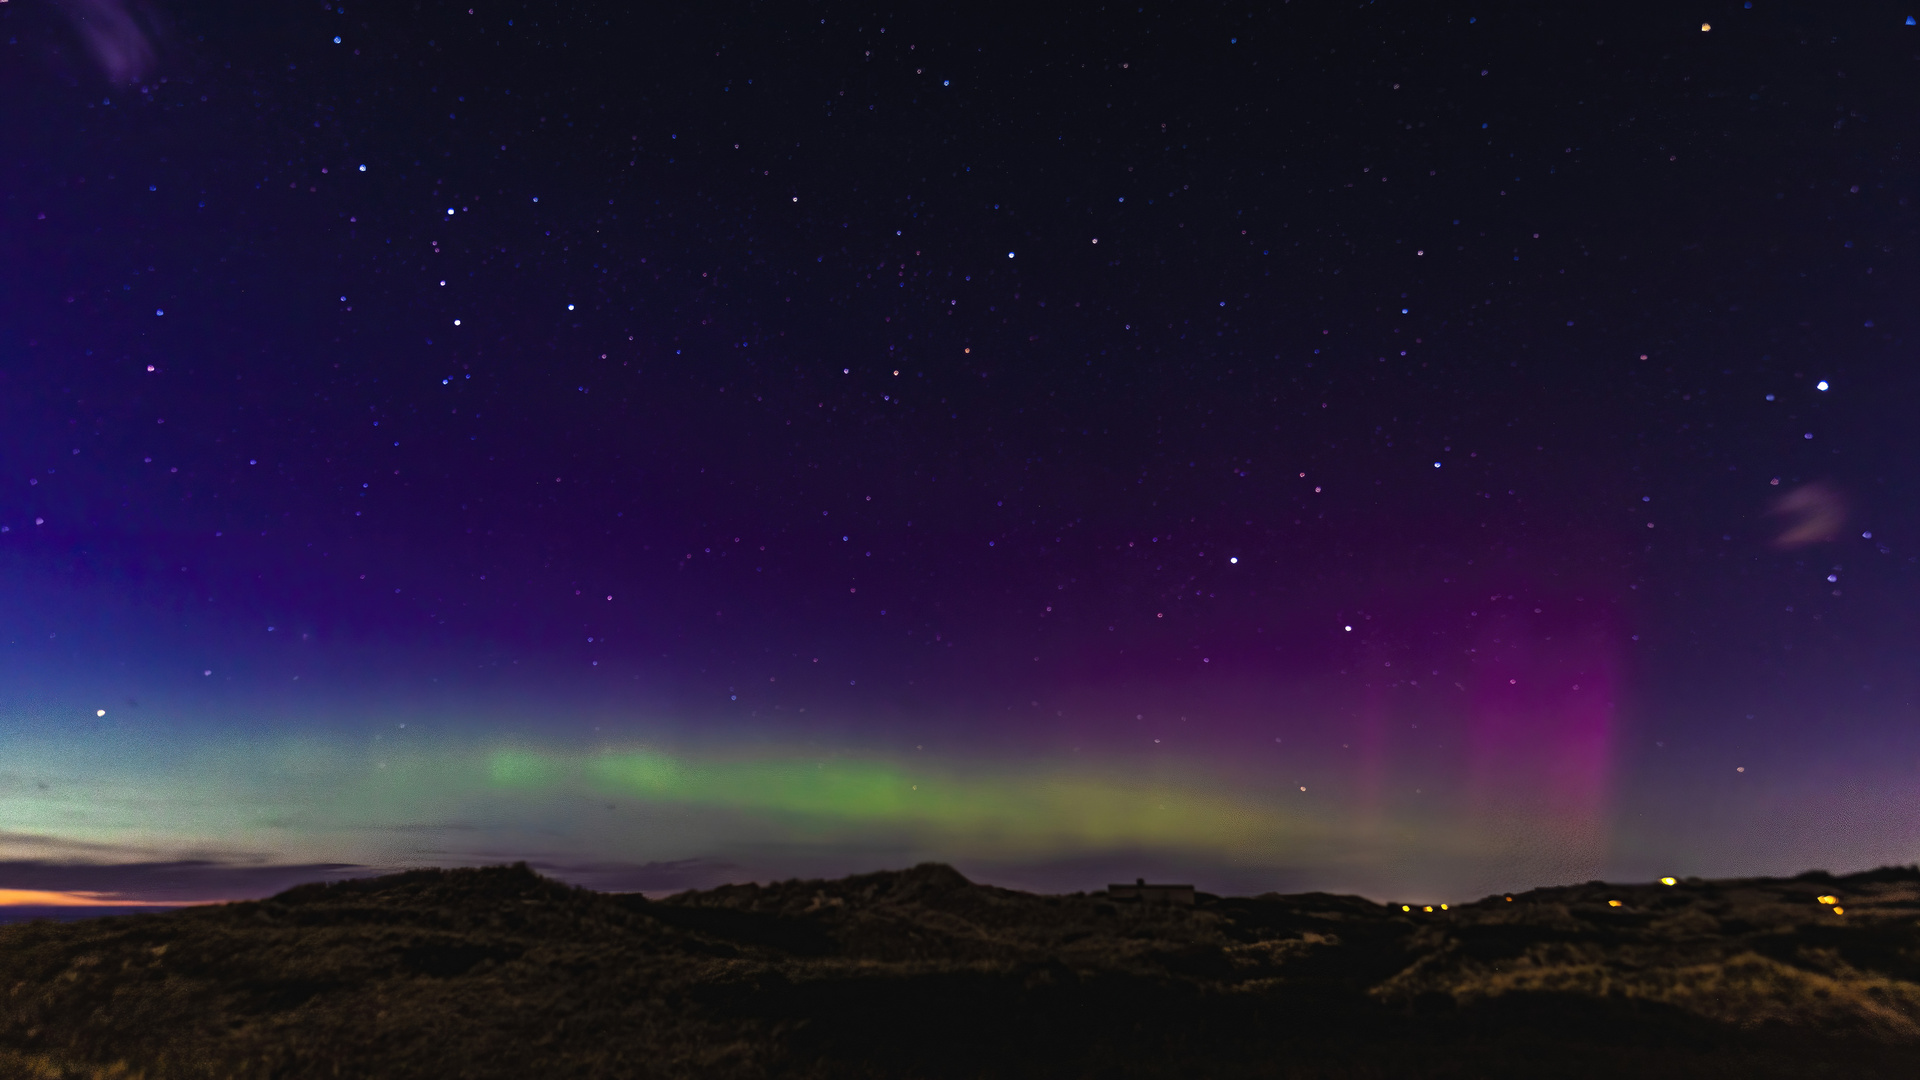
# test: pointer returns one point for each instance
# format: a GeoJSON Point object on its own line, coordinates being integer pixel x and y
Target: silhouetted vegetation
{"type": "Point", "coordinates": [499, 972]}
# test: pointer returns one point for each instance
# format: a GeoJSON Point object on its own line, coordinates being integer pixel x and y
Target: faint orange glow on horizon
{"type": "Point", "coordinates": [48, 898]}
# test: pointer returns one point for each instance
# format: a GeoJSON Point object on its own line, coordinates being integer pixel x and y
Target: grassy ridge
{"type": "Point", "coordinates": [500, 972]}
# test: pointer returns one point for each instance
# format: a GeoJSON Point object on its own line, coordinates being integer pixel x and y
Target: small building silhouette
{"type": "Point", "coordinates": [1152, 894]}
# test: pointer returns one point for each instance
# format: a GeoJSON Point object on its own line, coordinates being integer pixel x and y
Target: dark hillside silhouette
{"type": "Point", "coordinates": [498, 972]}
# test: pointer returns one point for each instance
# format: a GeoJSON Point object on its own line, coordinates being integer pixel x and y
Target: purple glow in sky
{"type": "Point", "coordinates": [674, 448]}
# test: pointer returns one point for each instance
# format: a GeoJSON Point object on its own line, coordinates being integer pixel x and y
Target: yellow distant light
{"type": "Point", "coordinates": [1509, 899]}
{"type": "Point", "coordinates": [1443, 907]}
{"type": "Point", "coordinates": [1404, 907]}
{"type": "Point", "coordinates": [1429, 907]}
{"type": "Point", "coordinates": [1613, 903]}
{"type": "Point", "coordinates": [1839, 910]}
{"type": "Point", "coordinates": [1669, 881]}
{"type": "Point", "coordinates": [1704, 27]}
{"type": "Point", "coordinates": [1827, 900]}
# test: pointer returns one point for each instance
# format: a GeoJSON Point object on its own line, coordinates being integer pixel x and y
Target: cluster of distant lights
{"type": "Point", "coordinates": [1824, 901]}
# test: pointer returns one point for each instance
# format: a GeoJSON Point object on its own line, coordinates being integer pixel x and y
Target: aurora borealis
{"type": "Point", "coordinates": [1388, 450]}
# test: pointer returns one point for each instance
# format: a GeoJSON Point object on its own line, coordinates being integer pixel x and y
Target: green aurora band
{"type": "Point", "coordinates": [1025, 812]}
{"type": "Point", "coordinates": [412, 800]}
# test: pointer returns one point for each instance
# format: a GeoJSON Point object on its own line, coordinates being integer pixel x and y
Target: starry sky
{"type": "Point", "coordinates": [1374, 447]}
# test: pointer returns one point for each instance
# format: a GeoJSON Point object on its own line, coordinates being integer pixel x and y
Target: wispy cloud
{"type": "Point", "coordinates": [47, 883]}
{"type": "Point", "coordinates": [118, 34]}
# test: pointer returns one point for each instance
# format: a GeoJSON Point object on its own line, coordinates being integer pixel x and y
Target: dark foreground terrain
{"type": "Point", "coordinates": [502, 973]}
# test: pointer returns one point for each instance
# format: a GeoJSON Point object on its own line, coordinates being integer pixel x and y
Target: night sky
{"type": "Point", "coordinates": [1358, 446]}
